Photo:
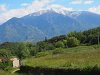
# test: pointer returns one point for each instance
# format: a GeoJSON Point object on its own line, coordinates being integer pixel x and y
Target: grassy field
{"type": "Point", "coordinates": [6, 73]}
{"type": "Point", "coordinates": [78, 57]}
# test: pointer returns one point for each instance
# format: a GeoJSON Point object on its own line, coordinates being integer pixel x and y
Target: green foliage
{"type": "Point", "coordinates": [50, 47]}
{"type": "Point", "coordinates": [41, 54]}
{"type": "Point", "coordinates": [5, 54]}
{"type": "Point", "coordinates": [96, 46]}
{"type": "Point", "coordinates": [72, 42]}
{"type": "Point", "coordinates": [6, 73]}
{"type": "Point", "coordinates": [5, 65]}
{"type": "Point", "coordinates": [79, 35]}
{"type": "Point", "coordinates": [41, 46]}
{"type": "Point", "coordinates": [92, 35]}
{"type": "Point", "coordinates": [58, 51]}
{"type": "Point", "coordinates": [57, 38]}
{"type": "Point", "coordinates": [59, 44]}
{"type": "Point", "coordinates": [33, 51]}
{"type": "Point", "coordinates": [65, 43]}
{"type": "Point", "coordinates": [88, 36]}
{"type": "Point", "coordinates": [77, 57]}
{"type": "Point", "coordinates": [22, 51]}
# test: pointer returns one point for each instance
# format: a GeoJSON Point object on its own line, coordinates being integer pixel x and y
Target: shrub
{"type": "Point", "coordinates": [72, 42]}
{"type": "Point", "coordinates": [5, 65]}
{"type": "Point", "coordinates": [50, 47]}
{"type": "Point", "coordinates": [65, 43]}
{"type": "Point", "coordinates": [59, 44]}
{"type": "Point", "coordinates": [58, 51]}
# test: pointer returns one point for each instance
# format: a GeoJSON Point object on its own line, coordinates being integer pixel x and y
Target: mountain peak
{"type": "Point", "coordinates": [59, 11]}
{"type": "Point", "coordinates": [62, 11]}
{"type": "Point", "coordinates": [34, 27]}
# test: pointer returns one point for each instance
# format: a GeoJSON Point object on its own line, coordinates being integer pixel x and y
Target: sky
{"type": "Point", "coordinates": [19, 8]}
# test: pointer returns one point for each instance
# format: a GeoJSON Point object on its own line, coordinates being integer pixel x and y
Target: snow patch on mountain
{"type": "Point", "coordinates": [62, 11]}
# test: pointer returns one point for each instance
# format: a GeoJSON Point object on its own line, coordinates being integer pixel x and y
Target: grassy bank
{"type": "Point", "coordinates": [78, 57]}
{"type": "Point", "coordinates": [6, 73]}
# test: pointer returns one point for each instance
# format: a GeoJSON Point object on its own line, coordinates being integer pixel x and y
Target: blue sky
{"type": "Point", "coordinates": [19, 8]}
{"type": "Point", "coordinates": [15, 4]}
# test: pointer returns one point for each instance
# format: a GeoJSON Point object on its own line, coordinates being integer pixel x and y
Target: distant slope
{"type": "Point", "coordinates": [88, 19]}
{"type": "Point", "coordinates": [14, 31]}
{"type": "Point", "coordinates": [47, 23]}
{"type": "Point", "coordinates": [52, 23]}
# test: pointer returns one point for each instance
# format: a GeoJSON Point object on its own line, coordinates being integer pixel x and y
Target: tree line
{"type": "Point", "coordinates": [23, 50]}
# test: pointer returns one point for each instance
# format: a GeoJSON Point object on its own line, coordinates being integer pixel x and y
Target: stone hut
{"type": "Point", "coordinates": [15, 62]}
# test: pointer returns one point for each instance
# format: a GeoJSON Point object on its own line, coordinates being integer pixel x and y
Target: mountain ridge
{"type": "Point", "coordinates": [47, 23]}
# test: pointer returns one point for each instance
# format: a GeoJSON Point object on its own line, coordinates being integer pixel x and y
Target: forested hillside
{"type": "Point", "coordinates": [24, 50]}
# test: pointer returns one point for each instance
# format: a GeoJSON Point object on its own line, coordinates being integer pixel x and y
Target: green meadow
{"type": "Point", "coordinates": [6, 73]}
{"type": "Point", "coordinates": [77, 57]}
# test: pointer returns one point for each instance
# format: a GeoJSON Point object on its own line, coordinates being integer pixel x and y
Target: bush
{"type": "Point", "coordinates": [65, 43]}
{"type": "Point", "coordinates": [59, 44]}
{"type": "Point", "coordinates": [50, 47]}
{"type": "Point", "coordinates": [5, 65]}
{"type": "Point", "coordinates": [72, 42]}
{"type": "Point", "coordinates": [41, 54]}
{"type": "Point", "coordinates": [58, 51]}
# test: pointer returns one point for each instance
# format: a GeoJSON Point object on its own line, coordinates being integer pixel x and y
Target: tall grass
{"type": "Point", "coordinates": [6, 73]}
{"type": "Point", "coordinates": [78, 57]}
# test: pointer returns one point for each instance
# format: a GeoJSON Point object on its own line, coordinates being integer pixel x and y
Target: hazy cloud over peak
{"type": "Point", "coordinates": [81, 2]}
{"type": "Point", "coordinates": [3, 7]}
{"type": "Point", "coordinates": [19, 8]}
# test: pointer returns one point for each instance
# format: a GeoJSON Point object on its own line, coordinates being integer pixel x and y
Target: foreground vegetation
{"type": "Point", "coordinates": [78, 57]}
{"type": "Point", "coordinates": [74, 50]}
{"type": "Point", "coordinates": [6, 73]}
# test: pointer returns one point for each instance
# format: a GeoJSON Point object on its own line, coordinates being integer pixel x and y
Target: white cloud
{"type": "Point", "coordinates": [81, 2]}
{"type": "Point", "coordinates": [3, 7]}
{"type": "Point", "coordinates": [34, 6]}
{"type": "Point", "coordinates": [12, 13]}
{"type": "Point", "coordinates": [95, 9]}
{"type": "Point", "coordinates": [26, 9]}
{"type": "Point", "coordinates": [56, 6]}
{"type": "Point", "coordinates": [88, 2]}
{"type": "Point", "coordinates": [76, 2]}
{"type": "Point", "coordinates": [24, 4]}
{"type": "Point", "coordinates": [39, 4]}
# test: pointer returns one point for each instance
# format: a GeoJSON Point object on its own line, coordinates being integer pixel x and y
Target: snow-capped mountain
{"type": "Point", "coordinates": [62, 11]}
{"type": "Point", "coordinates": [59, 11]}
{"type": "Point", "coordinates": [47, 23]}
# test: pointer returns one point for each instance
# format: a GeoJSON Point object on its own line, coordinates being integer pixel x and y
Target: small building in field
{"type": "Point", "coordinates": [15, 62]}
